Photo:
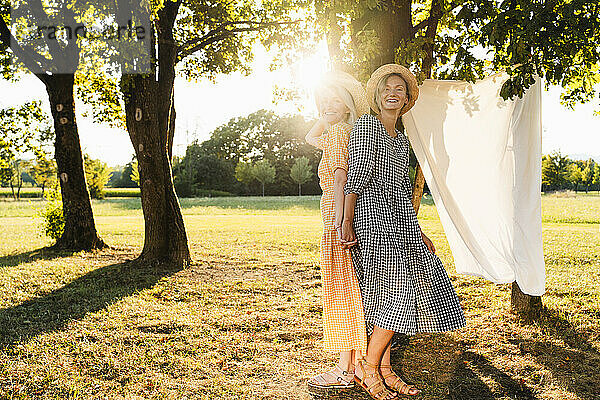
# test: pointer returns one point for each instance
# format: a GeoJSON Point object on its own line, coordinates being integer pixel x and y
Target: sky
{"type": "Point", "coordinates": [202, 106]}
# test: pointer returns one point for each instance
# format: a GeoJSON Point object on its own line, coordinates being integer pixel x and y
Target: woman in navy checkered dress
{"type": "Point", "coordinates": [404, 285]}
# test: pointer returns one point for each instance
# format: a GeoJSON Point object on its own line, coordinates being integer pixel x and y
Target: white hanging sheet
{"type": "Point", "coordinates": [481, 158]}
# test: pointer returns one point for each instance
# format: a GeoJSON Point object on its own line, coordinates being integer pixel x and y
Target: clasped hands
{"type": "Point", "coordinates": [346, 234]}
{"type": "Point", "coordinates": [348, 239]}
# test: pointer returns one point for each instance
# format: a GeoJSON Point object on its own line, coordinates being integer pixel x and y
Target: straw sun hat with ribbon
{"type": "Point", "coordinates": [350, 84]}
{"type": "Point", "coordinates": [384, 70]}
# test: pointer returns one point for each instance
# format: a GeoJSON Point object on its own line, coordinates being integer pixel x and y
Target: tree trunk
{"type": "Point", "coordinates": [333, 41]}
{"type": "Point", "coordinates": [392, 23]}
{"type": "Point", "coordinates": [263, 190]}
{"type": "Point", "coordinates": [299, 190]}
{"type": "Point", "coordinates": [171, 131]}
{"type": "Point", "coordinates": [529, 307]}
{"type": "Point", "coordinates": [150, 119]}
{"type": "Point", "coordinates": [417, 193]}
{"type": "Point", "coordinates": [435, 14]}
{"type": "Point", "coordinates": [165, 238]}
{"type": "Point", "coordinates": [80, 230]}
{"type": "Point", "coordinates": [12, 189]}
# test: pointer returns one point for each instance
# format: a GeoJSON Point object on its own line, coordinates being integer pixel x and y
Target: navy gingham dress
{"type": "Point", "coordinates": [404, 286]}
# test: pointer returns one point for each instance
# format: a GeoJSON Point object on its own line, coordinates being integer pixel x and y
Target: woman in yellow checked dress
{"type": "Point", "coordinates": [341, 100]}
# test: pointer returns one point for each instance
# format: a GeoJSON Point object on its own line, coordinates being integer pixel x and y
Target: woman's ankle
{"type": "Point", "coordinates": [363, 367]}
{"type": "Point", "coordinates": [348, 367]}
{"type": "Point", "coordinates": [345, 362]}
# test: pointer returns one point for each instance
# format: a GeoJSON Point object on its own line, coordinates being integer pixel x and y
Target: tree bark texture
{"type": "Point", "coordinates": [392, 22]}
{"type": "Point", "coordinates": [80, 230]}
{"type": "Point", "coordinates": [428, 62]}
{"type": "Point", "coordinates": [165, 238]}
{"type": "Point", "coordinates": [334, 36]}
{"type": "Point", "coordinates": [529, 307]}
{"type": "Point", "coordinates": [150, 119]}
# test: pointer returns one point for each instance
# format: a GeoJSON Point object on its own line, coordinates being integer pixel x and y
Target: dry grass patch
{"type": "Point", "coordinates": [244, 321]}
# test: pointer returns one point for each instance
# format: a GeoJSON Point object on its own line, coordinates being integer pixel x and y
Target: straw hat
{"type": "Point", "coordinates": [409, 78]}
{"type": "Point", "coordinates": [354, 87]}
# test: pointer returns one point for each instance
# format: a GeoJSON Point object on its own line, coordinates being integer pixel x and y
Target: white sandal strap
{"type": "Point", "coordinates": [342, 377]}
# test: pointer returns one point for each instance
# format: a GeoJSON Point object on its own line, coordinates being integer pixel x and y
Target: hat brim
{"type": "Point", "coordinates": [353, 86]}
{"type": "Point", "coordinates": [384, 70]}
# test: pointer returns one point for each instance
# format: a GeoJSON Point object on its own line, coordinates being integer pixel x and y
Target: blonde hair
{"type": "Point", "coordinates": [343, 94]}
{"type": "Point", "coordinates": [381, 86]}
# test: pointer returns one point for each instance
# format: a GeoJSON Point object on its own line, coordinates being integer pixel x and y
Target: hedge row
{"type": "Point", "coordinates": [28, 193]}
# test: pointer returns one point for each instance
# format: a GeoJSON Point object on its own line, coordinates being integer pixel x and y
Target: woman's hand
{"type": "Point", "coordinates": [348, 238]}
{"type": "Point", "coordinates": [428, 243]}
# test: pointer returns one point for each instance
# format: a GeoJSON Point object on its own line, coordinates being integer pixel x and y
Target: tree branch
{"type": "Point", "coordinates": [56, 51]}
{"type": "Point", "coordinates": [421, 24]}
{"type": "Point", "coordinates": [212, 32]}
{"type": "Point", "coordinates": [29, 60]}
{"type": "Point", "coordinates": [221, 32]}
{"type": "Point", "coordinates": [435, 14]}
{"type": "Point", "coordinates": [427, 21]}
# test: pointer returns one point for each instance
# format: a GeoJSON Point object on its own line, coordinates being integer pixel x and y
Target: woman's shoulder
{"type": "Point", "coordinates": [368, 125]}
{"type": "Point", "coordinates": [338, 133]}
{"type": "Point", "coordinates": [340, 128]}
{"type": "Point", "coordinates": [366, 119]}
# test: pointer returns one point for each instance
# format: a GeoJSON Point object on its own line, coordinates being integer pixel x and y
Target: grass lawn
{"type": "Point", "coordinates": [244, 321]}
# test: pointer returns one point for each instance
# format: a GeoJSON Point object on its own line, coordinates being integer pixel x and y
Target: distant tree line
{"type": "Point", "coordinates": [560, 172]}
{"type": "Point", "coordinates": [124, 176]}
{"type": "Point", "coordinates": [264, 153]}
{"type": "Point", "coordinates": [26, 156]}
{"type": "Point", "coordinates": [260, 153]}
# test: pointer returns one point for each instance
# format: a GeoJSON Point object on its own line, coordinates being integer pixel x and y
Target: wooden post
{"type": "Point", "coordinates": [417, 193]}
{"type": "Point", "coordinates": [529, 307]}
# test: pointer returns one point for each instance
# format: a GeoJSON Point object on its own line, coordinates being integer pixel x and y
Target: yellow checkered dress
{"type": "Point", "coordinates": [343, 316]}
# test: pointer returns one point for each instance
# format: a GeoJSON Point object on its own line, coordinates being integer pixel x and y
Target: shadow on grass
{"type": "Point", "coordinates": [89, 293]}
{"type": "Point", "coordinates": [467, 382]}
{"type": "Point", "coordinates": [576, 364]}
{"type": "Point", "coordinates": [441, 367]}
{"type": "Point", "coordinates": [45, 253]}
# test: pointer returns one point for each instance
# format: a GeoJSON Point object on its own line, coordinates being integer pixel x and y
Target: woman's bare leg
{"type": "Point", "coordinates": [378, 343]}
{"type": "Point", "coordinates": [392, 379]}
{"type": "Point", "coordinates": [386, 359]}
{"type": "Point", "coordinates": [346, 362]}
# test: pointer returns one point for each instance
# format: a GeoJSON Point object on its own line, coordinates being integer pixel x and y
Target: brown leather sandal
{"type": "Point", "coordinates": [399, 385]}
{"type": "Point", "coordinates": [376, 390]}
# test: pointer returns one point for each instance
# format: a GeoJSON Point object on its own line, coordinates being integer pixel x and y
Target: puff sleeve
{"type": "Point", "coordinates": [321, 142]}
{"type": "Point", "coordinates": [362, 150]}
{"type": "Point", "coordinates": [338, 147]}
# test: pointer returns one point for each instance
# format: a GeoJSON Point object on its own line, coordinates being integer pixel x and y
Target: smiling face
{"type": "Point", "coordinates": [332, 108]}
{"type": "Point", "coordinates": [391, 93]}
